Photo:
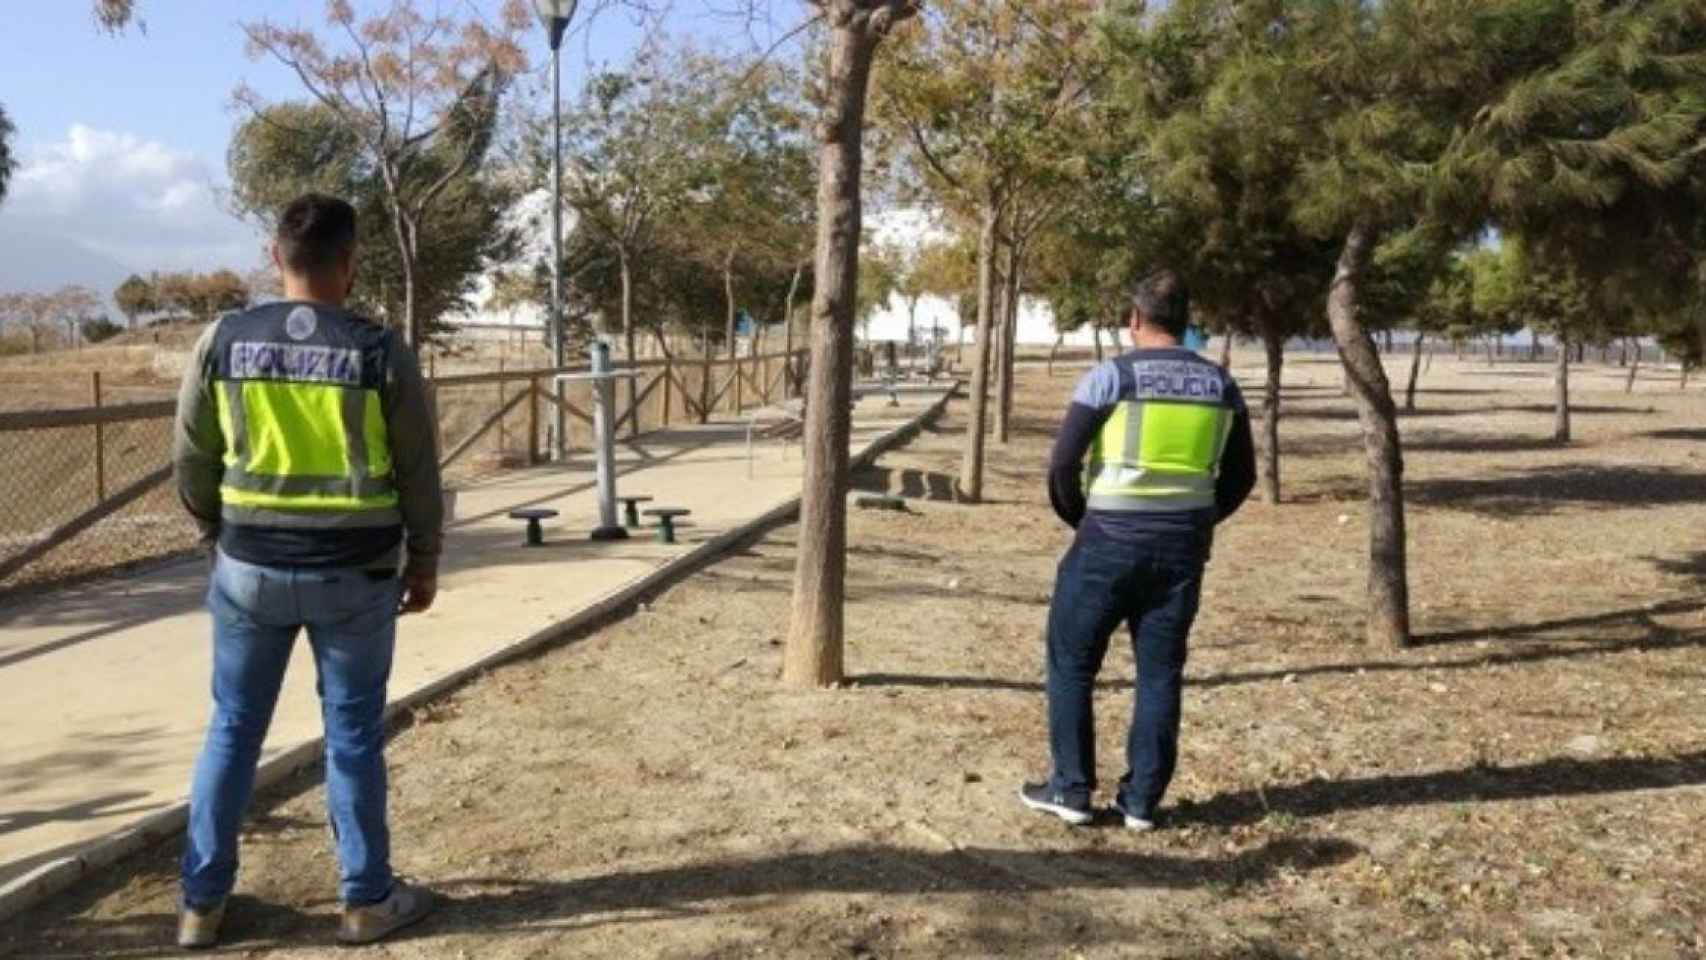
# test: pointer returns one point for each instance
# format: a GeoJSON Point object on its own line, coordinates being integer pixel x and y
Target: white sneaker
{"type": "Point", "coordinates": [1134, 822]}
{"type": "Point", "coordinates": [406, 904]}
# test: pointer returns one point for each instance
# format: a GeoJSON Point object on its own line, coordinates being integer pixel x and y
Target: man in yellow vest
{"type": "Point", "coordinates": [1168, 441]}
{"type": "Point", "coordinates": [305, 450]}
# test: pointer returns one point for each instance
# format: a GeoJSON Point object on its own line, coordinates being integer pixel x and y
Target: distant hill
{"type": "Point", "coordinates": [34, 262]}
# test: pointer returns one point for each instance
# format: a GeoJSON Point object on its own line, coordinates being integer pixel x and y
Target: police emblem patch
{"type": "Point", "coordinates": [301, 323]}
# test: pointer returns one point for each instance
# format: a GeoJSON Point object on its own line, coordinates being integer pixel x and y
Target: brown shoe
{"type": "Point", "coordinates": [405, 904]}
{"type": "Point", "coordinates": [199, 929]}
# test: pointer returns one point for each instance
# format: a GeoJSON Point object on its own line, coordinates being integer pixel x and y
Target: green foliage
{"type": "Point", "coordinates": [135, 297]}
{"type": "Point", "coordinates": [96, 329]}
{"type": "Point", "coordinates": [8, 162]}
{"type": "Point", "coordinates": [1220, 147]}
{"type": "Point", "coordinates": [697, 172]}
{"type": "Point", "coordinates": [203, 296]}
{"type": "Point", "coordinates": [880, 272]}
{"type": "Point", "coordinates": [1594, 153]}
{"type": "Point", "coordinates": [292, 148]}
{"type": "Point", "coordinates": [1515, 286]}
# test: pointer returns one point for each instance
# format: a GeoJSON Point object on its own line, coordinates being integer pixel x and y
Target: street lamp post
{"type": "Point", "coordinates": [555, 16]}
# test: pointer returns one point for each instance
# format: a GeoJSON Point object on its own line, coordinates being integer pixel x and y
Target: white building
{"type": "Point", "coordinates": [910, 228]}
{"type": "Point", "coordinates": [907, 229]}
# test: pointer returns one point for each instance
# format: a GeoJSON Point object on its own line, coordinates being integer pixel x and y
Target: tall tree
{"type": "Point", "coordinates": [1195, 77]}
{"type": "Point", "coordinates": [630, 148]}
{"type": "Point", "coordinates": [1593, 157]}
{"type": "Point", "coordinates": [1513, 288]}
{"type": "Point", "coordinates": [814, 654]}
{"type": "Point", "coordinates": [402, 81]}
{"type": "Point", "coordinates": [135, 297]}
{"type": "Point", "coordinates": [983, 96]}
{"type": "Point", "coordinates": [291, 148]}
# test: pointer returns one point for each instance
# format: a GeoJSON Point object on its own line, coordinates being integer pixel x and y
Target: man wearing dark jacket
{"type": "Point", "coordinates": [305, 449]}
{"type": "Point", "coordinates": [1170, 455]}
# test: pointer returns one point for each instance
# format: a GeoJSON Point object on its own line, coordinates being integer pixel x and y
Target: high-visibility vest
{"type": "Point", "coordinates": [298, 391]}
{"type": "Point", "coordinates": [1160, 450]}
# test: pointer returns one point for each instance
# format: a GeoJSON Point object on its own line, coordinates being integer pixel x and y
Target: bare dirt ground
{"type": "Point", "coordinates": [1529, 781]}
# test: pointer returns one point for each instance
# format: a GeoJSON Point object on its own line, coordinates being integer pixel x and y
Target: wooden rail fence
{"type": "Point", "coordinates": [667, 392]}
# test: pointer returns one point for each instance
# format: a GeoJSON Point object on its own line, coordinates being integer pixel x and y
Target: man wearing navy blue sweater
{"type": "Point", "coordinates": [1169, 456]}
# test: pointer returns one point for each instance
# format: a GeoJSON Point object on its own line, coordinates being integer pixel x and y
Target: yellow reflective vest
{"type": "Point", "coordinates": [1161, 445]}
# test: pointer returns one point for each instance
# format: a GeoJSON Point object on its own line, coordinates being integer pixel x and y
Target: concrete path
{"type": "Point", "coordinates": [105, 685]}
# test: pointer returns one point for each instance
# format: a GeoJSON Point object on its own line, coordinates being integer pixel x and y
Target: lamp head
{"type": "Point", "coordinates": [555, 15]}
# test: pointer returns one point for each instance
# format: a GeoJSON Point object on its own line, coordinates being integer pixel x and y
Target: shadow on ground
{"type": "Point", "coordinates": [1556, 777]}
{"type": "Point", "coordinates": [493, 906]}
{"type": "Point", "coordinates": [1550, 489]}
{"type": "Point", "coordinates": [1655, 636]}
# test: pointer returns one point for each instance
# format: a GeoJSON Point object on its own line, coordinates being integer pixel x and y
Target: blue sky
{"type": "Point", "coordinates": [122, 139]}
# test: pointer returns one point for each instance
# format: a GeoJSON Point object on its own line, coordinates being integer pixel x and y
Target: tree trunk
{"type": "Point", "coordinates": [814, 653]}
{"type": "Point", "coordinates": [1388, 578]}
{"type": "Point", "coordinates": [911, 330]}
{"type": "Point", "coordinates": [1268, 462]}
{"type": "Point", "coordinates": [1415, 374]}
{"type": "Point", "coordinates": [1010, 334]}
{"type": "Point", "coordinates": [1634, 368]}
{"type": "Point", "coordinates": [1489, 351]}
{"type": "Point", "coordinates": [628, 340]}
{"type": "Point", "coordinates": [998, 357]}
{"type": "Point", "coordinates": [971, 467]}
{"type": "Point", "coordinates": [1096, 340]}
{"type": "Point", "coordinates": [406, 253]}
{"type": "Point", "coordinates": [1581, 353]}
{"type": "Point", "coordinates": [1059, 338]}
{"type": "Point", "coordinates": [1226, 352]}
{"type": "Point", "coordinates": [1685, 370]}
{"type": "Point", "coordinates": [790, 380]}
{"type": "Point", "coordinates": [1561, 381]}
{"type": "Point", "coordinates": [705, 368]}
{"type": "Point", "coordinates": [729, 303]}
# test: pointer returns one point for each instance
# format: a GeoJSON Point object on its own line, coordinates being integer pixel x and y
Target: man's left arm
{"type": "Point", "coordinates": [411, 425]}
{"type": "Point", "coordinates": [1238, 463]}
{"type": "Point", "coordinates": [198, 444]}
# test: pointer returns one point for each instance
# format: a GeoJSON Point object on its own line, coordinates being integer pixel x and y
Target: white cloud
{"type": "Point", "coordinates": [137, 201]}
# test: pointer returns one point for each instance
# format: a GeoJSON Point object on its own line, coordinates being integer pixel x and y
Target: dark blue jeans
{"type": "Point", "coordinates": [1153, 588]}
{"type": "Point", "coordinates": [351, 619]}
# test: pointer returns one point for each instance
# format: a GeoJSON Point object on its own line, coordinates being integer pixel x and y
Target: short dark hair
{"type": "Point", "coordinates": [316, 232]}
{"type": "Point", "coordinates": [1161, 296]}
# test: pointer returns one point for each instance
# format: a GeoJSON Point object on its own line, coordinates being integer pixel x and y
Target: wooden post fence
{"type": "Point", "coordinates": [100, 444]}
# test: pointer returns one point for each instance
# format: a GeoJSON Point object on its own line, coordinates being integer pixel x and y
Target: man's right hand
{"type": "Point", "coordinates": [419, 591]}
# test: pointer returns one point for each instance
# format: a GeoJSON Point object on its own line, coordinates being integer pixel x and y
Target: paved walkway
{"type": "Point", "coordinates": [105, 686]}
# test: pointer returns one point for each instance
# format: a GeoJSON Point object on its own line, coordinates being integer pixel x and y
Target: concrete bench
{"type": "Point", "coordinates": [631, 514]}
{"type": "Point", "coordinates": [666, 521]}
{"type": "Point", "coordinates": [533, 516]}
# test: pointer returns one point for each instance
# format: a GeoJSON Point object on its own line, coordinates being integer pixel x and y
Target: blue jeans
{"type": "Point", "coordinates": [1153, 588]}
{"type": "Point", "coordinates": [351, 617]}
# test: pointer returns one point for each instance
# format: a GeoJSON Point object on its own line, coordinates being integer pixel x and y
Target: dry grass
{"type": "Point", "coordinates": [1525, 783]}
